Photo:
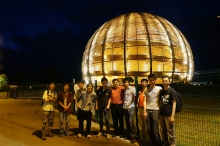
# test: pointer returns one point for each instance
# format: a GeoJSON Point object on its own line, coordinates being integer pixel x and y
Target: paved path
{"type": "Point", "coordinates": [20, 125]}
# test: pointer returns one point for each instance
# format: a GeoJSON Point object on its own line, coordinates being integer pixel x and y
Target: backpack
{"type": "Point", "coordinates": [178, 102]}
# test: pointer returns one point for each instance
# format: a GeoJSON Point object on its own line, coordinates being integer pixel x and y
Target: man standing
{"type": "Point", "coordinates": [103, 105]}
{"type": "Point", "coordinates": [64, 106]}
{"type": "Point", "coordinates": [77, 97]}
{"type": "Point", "coordinates": [49, 98]}
{"type": "Point", "coordinates": [151, 110]}
{"type": "Point", "coordinates": [117, 108]}
{"type": "Point", "coordinates": [167, 113]}
{"type": "Point", "coordinates": [140, 104]}
{"type": "Point", "coordinates": [128, 105]}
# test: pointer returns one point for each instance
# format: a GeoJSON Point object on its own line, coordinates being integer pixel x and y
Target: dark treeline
{"type": "Point", "coordinates": [55, 56]}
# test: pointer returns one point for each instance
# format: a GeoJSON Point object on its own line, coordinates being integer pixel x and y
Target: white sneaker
{"type": "Point", "coordinates": [79, 135]}
{"type": "Point", "coordinates": [88, 136]}
{"type": "Point", "coordinates": [99, 135]}
{"type": "Point", "coordinates": [108, 136]}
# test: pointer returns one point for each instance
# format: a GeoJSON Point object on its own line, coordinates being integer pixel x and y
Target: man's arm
{"type": "Point", "coordinates": [173, 111]}
{"type": "Point", "coordinates": [109, 101]}
{"type": "Point", "coordinates": [96, 105]}
{"type": "Point", "coordinates": [145, 105]}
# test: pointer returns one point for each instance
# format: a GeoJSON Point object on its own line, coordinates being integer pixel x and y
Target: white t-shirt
{"type": "Point", "coordinates": [152, 95]}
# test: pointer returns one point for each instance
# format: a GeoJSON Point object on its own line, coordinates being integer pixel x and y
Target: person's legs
{"type": "Point", "coordinates": [141, 124]}
{"type": "Point", "coordinates": [44, 123]}
{"type": "Point", "coordinates": [114, 118]}
{"type": "Point", "coordinates": [106, 114]}
{"type": "Point", "coordinates": [127, 123]}
{"type": "Point", "coordinates": [163, 126]}
{"type": "Point", "coordinates": [88, 123]}
{"type": "Point", "coordinates": [121, 118]}
{"type": "Point", "coordinates": [50, 122]}
{"type": "Point", "coordinates": [100, 111]}
{"type": "Point", "coordinates": [82, 116]}
{"type": "Point", "coordinates": [155, 127]}
{"type": "Point", "coordinates": [131, 122]}
{"type": "Point", "coordinates": [171, 131]}
{"type": "Point", "coordinates": [149, 123]}
{"type": "Point", "coordinates": [61, 114]}
{"type": "Point", "coordinates": [67, 119]}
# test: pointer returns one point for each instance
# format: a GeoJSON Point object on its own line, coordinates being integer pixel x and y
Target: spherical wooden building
{"type": "Point", "coordinates": [137, 44]}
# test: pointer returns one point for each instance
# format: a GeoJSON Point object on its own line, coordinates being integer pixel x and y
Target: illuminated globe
{"type": "Point", "coordinates": [137, 44]}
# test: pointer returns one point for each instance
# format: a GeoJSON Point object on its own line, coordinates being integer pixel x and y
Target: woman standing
{"type": "Point", "coordinates": [64, 106]}
{"type": "Point", "coordinates": [49, 98]}
{"type": "Point", "coordinates": [88, 106]}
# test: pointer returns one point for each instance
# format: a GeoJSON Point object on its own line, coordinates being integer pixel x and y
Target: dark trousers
{"type": "Point", "coordinates": [85, 115]}
{"type": "Point", "coordinates": [129, 120]}
{"type": "Point", "coordinates": [117, 115]}
{"type": "Point", "coordinates": [106, 114]}
{"type": "Point", "coordinates": [153, 130]}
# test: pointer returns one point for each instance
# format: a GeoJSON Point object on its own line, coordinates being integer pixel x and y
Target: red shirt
{"type": "Point", "coordinates": [117, 95]}
{"type": "Point", "coordinates": [61, 97]}
{"type": "Point", "coordinates": [141, 99]}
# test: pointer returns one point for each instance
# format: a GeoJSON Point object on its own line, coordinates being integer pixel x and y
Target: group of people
{"type": "Point", "coordinates": [155, 108]}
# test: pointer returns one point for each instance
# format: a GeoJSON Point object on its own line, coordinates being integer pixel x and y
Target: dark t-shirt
{"type": "Point", "coordinates": [103, 97]}
{"type": "Point", "coordinates": [166, 100]}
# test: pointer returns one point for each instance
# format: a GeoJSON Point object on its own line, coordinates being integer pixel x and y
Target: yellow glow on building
{"type": "Point", "coordinates": [137, 44]}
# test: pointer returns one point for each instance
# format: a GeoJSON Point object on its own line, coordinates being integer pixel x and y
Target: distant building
{"type": "Point", "coordinates": [206, 77]}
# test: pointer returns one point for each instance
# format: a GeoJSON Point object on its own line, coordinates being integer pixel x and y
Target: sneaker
{"type": "Point", "coordinates": [79, 135]}
{"type": "Point", "coordinates": [88, 136]}
{"type": "Point", "coordinates": [108, 136]}
{"type": "Point", "coordinates": [99, 135]}
{"type": "Point", "coordinates": [61, 133]}
{"type": "Point", "coordinates": [43, 138]}
{"type": "Point", "coordinates": [66, 133]}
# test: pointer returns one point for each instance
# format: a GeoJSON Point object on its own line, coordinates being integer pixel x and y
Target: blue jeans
{"type": "Point", "coordinates": [62, 116]}
{"type": "Point", "coordinates": [129, 120]}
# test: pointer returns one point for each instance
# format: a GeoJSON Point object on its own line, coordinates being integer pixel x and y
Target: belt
{"type": "Point", "coordinates": [140, 107]}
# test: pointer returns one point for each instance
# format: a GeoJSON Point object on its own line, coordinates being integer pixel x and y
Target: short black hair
{"type": "Point", "coordinates": [144, 80]}
{"type": "Point", "coordinates": [66, 83]}
{"type": "Point", "coordinates": [166, 77]}
{"type": "Point", "coordinates": [81, 81]}
{"type": "Point", "coordinates": [114, 80]}
{"type": "Point", "coordinates": [51, 82]}
{"type": "Point", "coordinates": [104, 79]}
{"type": "Point", "coordinates": [127, 79]}
{"type": "Point", "coordinates": [152, 76]}
{"type": "Point", "coordinates": [89, 84]}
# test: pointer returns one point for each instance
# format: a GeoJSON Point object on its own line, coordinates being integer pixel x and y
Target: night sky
{"type": "Point", "coordinates": [42, 40]}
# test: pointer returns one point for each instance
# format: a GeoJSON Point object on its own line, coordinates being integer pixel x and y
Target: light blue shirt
{"type": "Point", "coordinates": [88, 101]}
{"type": "Point", "coordinates": [128, 97]}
